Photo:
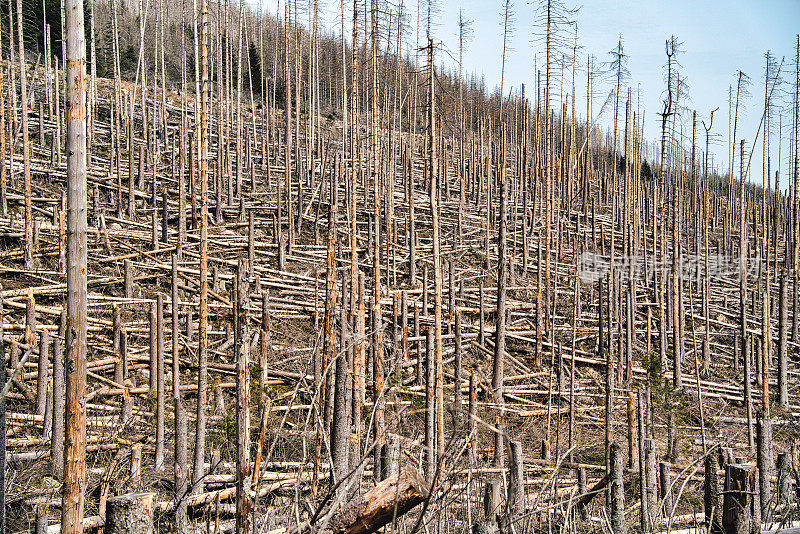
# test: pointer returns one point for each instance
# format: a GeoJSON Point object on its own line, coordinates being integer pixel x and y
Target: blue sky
{"type": "Point", "coordinates": [718, 39]}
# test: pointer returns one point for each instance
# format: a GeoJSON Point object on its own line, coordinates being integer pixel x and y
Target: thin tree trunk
{"type": "Point", "coordinates": [181, 467]}
{"type": "Point", "coordinates": [26, 147]}
{"type": "Point", "coordinates": [200, 432]}
{"type": "Point", "coordinates": [241, 299]}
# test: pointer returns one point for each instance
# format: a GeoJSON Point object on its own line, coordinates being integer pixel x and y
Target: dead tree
{"type": "Point", "coordinates": [740, 507]}
{"type": "Point", "coordinates": [433, 169]}
{"type": "Point", "coordinates": [712, 502]}
{"type": "Point", "coordinates": [3, 423]}
{"type": "Point", "coordinates": [73, 494]}
{"type": "Point", "coordinates": [388, 500]}
{"type": "Point", "coordinates": [241, 299]}
{"type": "Point", "coordinates": [200, 427]}
{"type": "Point", "coordinates": [26, 146]}
{"type": "Point", "coordinates": [764, 461]}
{"type": "Point", "coordinates": [181, 439]}
{"type": "Point", "coordinates": [339, 425]}
{"type": "Point", "coordinates": [618, 524]}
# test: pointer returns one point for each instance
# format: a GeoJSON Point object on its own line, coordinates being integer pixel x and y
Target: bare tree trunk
{"type": "Point", "coordinates": [3, 169]}
{"type": "Point", "coordinates": [437, 260]}
{"type": "Point", "coordinates": [73, 492]}
{"type": "Point", "coordinates": [783, 374]}
{"type": "Point", "coordinates": [743, 302]}
{"type": "Point", "coordinates": [3, 379]}
{"type": "Point", "coordinates": [377, 320]}
{"type": "Point", "coordinates": [26, 147]}
{"type": "Point", "coordinates": [618, 524]}
{"type": "Point", "coordinates": [200, 432]}
{"type": "Point", "coordinates": [43, 371]}
{"type": "Point", "coordinates": [287, 155]}
{"type": "Point", "coordinates": [516, 489]}
{"type": "Point", "coordinates": [159, 455]}
{"type": "Point", "coordinates": [57, 438]}
{"type": "Point", "coordinates": [430, 405]}
{"type": "Point", "coordinates": [241, 299]}
{"type": "Point", "coordinates": [354, 162]}
{"type": "Point", "coordinates": [181, 458]}
{"type": "Point", "coordinates": [500, 326]}
{"type": "Point", "coordinates": [765, 464]}
{"type": "Point", "coordinates": [457, 368]}
{"type": "Point", "coordinates": [712, 502]}
{"type": "Point", "coordinates": [339, 425]}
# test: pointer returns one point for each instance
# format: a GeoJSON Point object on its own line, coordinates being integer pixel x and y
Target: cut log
{"type": "Point", "coordinates": [391, 498]}
{"type": "Point", "coordinates": [89, 524]}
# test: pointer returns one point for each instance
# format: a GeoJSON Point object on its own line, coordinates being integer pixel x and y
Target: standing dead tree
{"type": "Point", "coordinates": [353, 389]}
{"type": "Point", "coordinates": [75, 343]}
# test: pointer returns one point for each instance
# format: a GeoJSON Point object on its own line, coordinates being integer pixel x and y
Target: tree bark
{"type": "Point", "coordinates": [389, 499]}
{"type": "Point", "coordinates": [202, 348]}
{"type": "Point", "coordinates": [181, 466]}
{"type": "Point", "coordinates": [73, 492]}
{"type": "Point", "coordinates": [241, 299]}
{"type": "Point", "coordinates": [131, 513]}
{"type": "Point", "coordinates": [740, 506]}
{"type": "Point", "coordinates": [618, 524]}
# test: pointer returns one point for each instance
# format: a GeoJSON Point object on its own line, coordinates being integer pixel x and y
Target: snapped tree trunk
{"type": "Point", "coordinates": [389, 499]}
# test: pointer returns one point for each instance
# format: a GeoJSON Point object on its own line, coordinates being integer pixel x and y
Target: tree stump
{"type": "Point", "coordinates": [582, 511]}
{"type": "Point", "coordinates": [516, 486]}
{"type": "Point", "coordinates": [618, 525]}
{"type": "Point", "coordinates": [740, 505]}
{"type": "Point", "coordinates": [491, 509]}
{"type": "Point", "coordinates": [491, 500]}
{"type": "Point", "coordinates": [784, 486]}
{"type": "Point", "coordinates": [484, 527]}
{"type": "Point", "coordinates": [711, 497]}
{"type": "Point", "coordinates": [665, 480]}
{"type": "Point", "coordinates": [131, 513]}
{"type": "Point", "coordinates": [764, 462]}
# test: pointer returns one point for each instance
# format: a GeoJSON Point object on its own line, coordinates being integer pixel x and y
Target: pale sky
{"type": "Point", "coordinates": [718, 39]}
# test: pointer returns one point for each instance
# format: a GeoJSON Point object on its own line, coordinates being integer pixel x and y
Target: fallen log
{"type": "Point", "coordinates": [89, 523]}
{"type": "Point", "coordinates": [389, 499]}
{"type": "Point", "coordinates": [597, 488]}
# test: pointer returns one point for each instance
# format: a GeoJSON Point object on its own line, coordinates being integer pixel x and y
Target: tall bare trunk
{"type": "Point", "coordinates": [241, 299]}
{"type": "Point", "coordinates": [26, 147]}
{"type": "Point", "coordinates": [73, 492]}
{"type": "Point", "coordinates": [202, 349]}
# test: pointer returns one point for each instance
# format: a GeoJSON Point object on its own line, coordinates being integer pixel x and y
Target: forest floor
{"type": "Point", "coordinates": [548, 401]}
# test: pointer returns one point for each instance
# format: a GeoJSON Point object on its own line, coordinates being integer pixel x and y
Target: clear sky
{"type": "Point", "coordinates": [719, 38]}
